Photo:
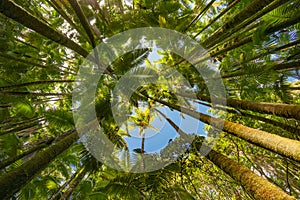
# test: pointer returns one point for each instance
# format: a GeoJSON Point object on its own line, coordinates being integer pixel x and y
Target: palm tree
{"type": "Point", "coordinates": [254, 45]}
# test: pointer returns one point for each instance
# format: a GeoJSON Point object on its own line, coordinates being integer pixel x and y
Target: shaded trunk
{"type": "Point", "coordinates": [281, 125]}
{"type": "Point", "coordinates": [29, 62]}
{"type": "Point", "coordinates": [34, 83]}
{"type": "Point", "coordinates": [83, 20]}
{"type": "Point", "coordinates": [23, 126]}
{"type": "Point", "coordinates": [36, 148]}
{"type": "Point", "coordinates": [15, 12]}
{"type": "Point", "coordinates": [63, 187]}
{"type": "Point", "coordinates": [201, 13]}
{"type": "Point", "coordinates": [279, 109]}
{"type": "Point", "coordinates": [254, 7]}
{"type": "Point", "coordinates": [280, 145]}
{"type": "Point", "coordinates": [218, 17]}
{"type": "Point", "coordinates": [35, 94]}
{"type": "Point", "coordinates": [265, 68]}
{"type": "Point", "coordinates": [75, 183]}
{"type": "Point", "coordinates": [257, 186]}
{"type": "Point", "coordinates": [13, 181]}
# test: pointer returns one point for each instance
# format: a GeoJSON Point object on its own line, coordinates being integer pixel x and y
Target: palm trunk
{"type": "Point", "coordinates": [34, 83]}
{"type": "Point", "coordinates": [265, 68]}
{"type": "Point", "coordinates": [59, 10]}
{"type": "Point", "coordinates": [201, 13]}
{"type": "Point", "coordinates": [36, 148]}
{"type": "Point", "coordinates": [268, 51]}
{"type": "Point", "coordinates": [34, 94]}
{"type": "Point", "coordinates": [257, 186]}
{"type": "Point", "coordinates": [77, 180]}
{"type": "Point", "coordinates": [63, 186]}
{"type": "Point", "coordinates": [178, 130]}
{"type": "Point", "coordinates": [254, 7]}
{"type": "Point", "coordinates": [280, 145]}
{"type": "Point", "coordinates": [248, 21]}
{"type": "Point", "coordinates": [21, 127]}
{"type": "Point", "coordinates": [15, 12]}
{"type": "Point", "coordinates": [12, 124]}
{"type": "Point", "coordinates": [218, 17]}
{"type": "Point", "coordinates": [281, 125]}
{"type": "Point", "coordinates": [13, 181]}
{"type": "Point", "coordinates": [83, 20]}
{"type": "Point", "coordinates": [248, 39]}
{"type": "Point", "coordinates": [29, 62]}
{"type": "Point", "coordinates": [279, 109]}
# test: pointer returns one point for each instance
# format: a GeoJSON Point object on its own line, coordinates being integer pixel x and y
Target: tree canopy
{"type": "Point", "coordinates": [223, 123]}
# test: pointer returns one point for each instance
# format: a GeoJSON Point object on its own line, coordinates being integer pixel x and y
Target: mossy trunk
{"type": "Point", "coordinates": [75, 183]}
{"type": "Point", "coordinates": [283, 146]}
{"type": "Point", "coordinates": [13, 181]}
{"type": "Point", "coordinates": [255, 185]}
{"type": "Point", "coordinates": [254, 7]}
{"type": "Point", "coordinates": [15, 12]}
{"type": "Point", "coordinates": [279, 109]}
{"type": "Point", "coordinates": [266, 69]}
{"type": "Point", "coordinates": [36, 148]}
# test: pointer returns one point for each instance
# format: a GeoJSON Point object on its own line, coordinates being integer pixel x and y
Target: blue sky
{"type": "Point", "coordinates": [158, 140]}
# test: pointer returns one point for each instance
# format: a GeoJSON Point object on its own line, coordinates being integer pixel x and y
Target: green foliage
{"type": "Point", "coordinates": [28, 116]}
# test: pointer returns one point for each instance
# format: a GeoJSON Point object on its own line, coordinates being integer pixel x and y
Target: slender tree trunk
{"type": "Point", "coordinates": [36, 148]}
{"type": "Point", "coordinates": [21, 127]}
{"type": "Point", "coordinates": [35, 94]}
{"type": "Point", "coordinates": [15, 12]}
{"type": "Point", "coordinates": [283, 146]}
{"type": "Point", "coordinates": [218, 17]}
{"type": "Point", "coordinates": [34, 83]}
{"type": "Point", "coordinates": [83, 20]}
{"type": "Point", "coordinates": [275, 4]}
{"type": "Point", "coordinates": [279, 109]}
{"type": "Point", "coordinates": [13, 181]}
{"type": "Point", "coordinates": [29, 62]}
{"type": "Point", "coordinates": [77, 180]}
{"type": "Point", "coordinates": [254, 7]}
{"type": "Point", "coordinates": [281, 125]}
{"type": "Point", "coordinates": [63, 186]}
{"type": "Point", "coordinates": [59, 9]}
{"type": "Point", "coordinates": [267, 51]}
{"type": "Point", "coordinates": [199, 15]}
{"type": "Point", "coordinates": [12, 124]}
{"type": "Point", "coordinates": [179, 131]}
{"type": "Point", "coordinates": [257, 186]}
{"type": "Point", "coordinates": [265, 68]}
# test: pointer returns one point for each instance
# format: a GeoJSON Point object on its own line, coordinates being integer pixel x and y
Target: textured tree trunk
{"type": "Point", "coordinates": [15, 12]}
{"type": "Point", "coordinates": [29, 62]}
{"type": "Point", "coordinates": [257, 186]}
{"type": "Point", "coordinates": [283, 146]}
{"type": "Point", "coordinates": [13, 181]}
{"type": "Point", "coordinates": [20, 127]}
{"type": "Point", "coordinates": [279, 109]}
{"type": "Point", "coordinates": [38, 147]}
{"type": "Point", "coordinates": [218, 17]}
{"type": "Point", "coordinates": [63, 186]}
{"type": "Point", "coordinates": [282, 66]}
{"type": "Point", "coordinates": [34, 83]}
{"type": "Point", "coordinates": [75, 183]}
{"type": "Point", "coordinates": [254, 7]}
{"type": "Point", "coordinates": [281, 125]}
{"type": "Point", "coordinates": [83, 20]}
